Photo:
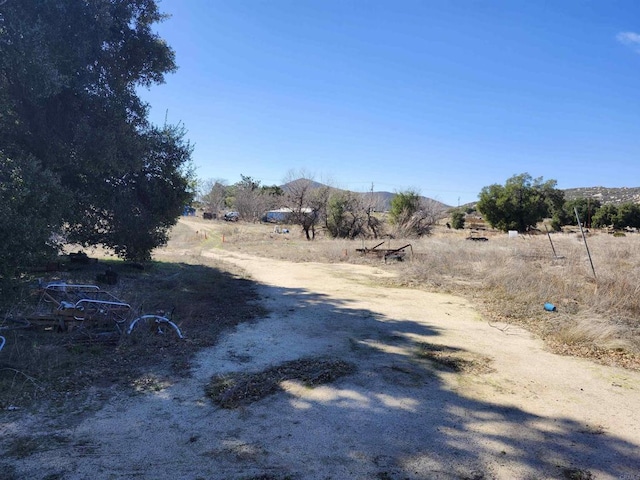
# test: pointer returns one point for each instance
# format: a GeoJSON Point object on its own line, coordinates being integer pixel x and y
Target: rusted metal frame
{"type": "Point", "coordinates": [369, 250]}
{"type": "Point", "coordinates": [391, 253]}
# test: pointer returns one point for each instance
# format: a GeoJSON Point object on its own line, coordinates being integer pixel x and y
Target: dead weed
{"type": "Point", "coordinates": [453, 359]}
{"type": "Point", "coordinates": [237, 389]}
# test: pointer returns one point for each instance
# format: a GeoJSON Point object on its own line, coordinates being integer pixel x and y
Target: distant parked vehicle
{"type": "Point", "coordinates": [231, 216]}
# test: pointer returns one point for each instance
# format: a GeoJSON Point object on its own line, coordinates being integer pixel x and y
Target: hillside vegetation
{"type": "Point", "coordinates": [616, 196]}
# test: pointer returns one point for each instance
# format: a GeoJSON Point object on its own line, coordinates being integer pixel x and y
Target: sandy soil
{"type": "Point", "coordinates": [515, 411]}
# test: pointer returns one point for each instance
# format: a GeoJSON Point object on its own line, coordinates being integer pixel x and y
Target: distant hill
{"type": "Point", "coordinates": [615, 196]}
{"type": "Point", "coordinates": [383, 199]}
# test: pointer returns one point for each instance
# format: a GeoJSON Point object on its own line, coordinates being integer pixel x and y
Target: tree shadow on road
{"type": "Point", "coordinates": [402, 413]}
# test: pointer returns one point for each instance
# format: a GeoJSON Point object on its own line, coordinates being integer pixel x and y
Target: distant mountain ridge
{"type": "Point", "coordinates": [612, 195]}
{"type": "Point", "coordinates": [383, 198]}
{"type": "Point", "coordinates": [616, 196]}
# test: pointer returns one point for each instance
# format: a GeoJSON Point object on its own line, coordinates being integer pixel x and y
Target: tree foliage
{"type": "Point", "coordinates": [617, 216]}
{"type": "Point", "coordinates": [457, 219]}
{"type": "Point", "coordinates": [29, 198]}
{"type": "Point", "coordinates": [605, 216]}
{"type": "Point", "coordinates": [70, 113]}
{"type": "Point", "coordinates": [519, 204]}
{"type": "Point", "coordinates": [628, 215]}
{"type": "Point", "coordinates": [586, 207]}
{"type": "Point", "coordinates": [346, 215]}
{"type": "Point", "coordinates": [411, 215]}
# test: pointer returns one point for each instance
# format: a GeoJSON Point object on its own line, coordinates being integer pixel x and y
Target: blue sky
{"type": "Point", "coordinates": [442, 96]}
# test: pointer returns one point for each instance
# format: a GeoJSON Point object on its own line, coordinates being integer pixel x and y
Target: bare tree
{"type": "Point", "coordinates": [374, 203]}
{"type": "Point", "coordinates": [307, 202]}
{"type": "Point", "coordinates": [352, 215]}
{"type": "Point", "coordinates": [253, 200]}
{"type": "Point", "coordinates": [214, 194]}
{"type": "Point", "coordinates": [248, 199]}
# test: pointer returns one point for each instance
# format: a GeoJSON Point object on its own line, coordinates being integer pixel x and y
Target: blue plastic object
{"type": "Point", "coordinates": [549, 307]}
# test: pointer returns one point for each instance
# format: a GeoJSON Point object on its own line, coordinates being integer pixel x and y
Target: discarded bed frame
{"type": "Point", "coordinates": [386, 253]}
{"type": "Point", "coordinates": [64, 307]}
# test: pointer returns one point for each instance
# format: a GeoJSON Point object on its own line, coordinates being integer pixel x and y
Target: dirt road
{"type": "Point", "coordinates": [438, 393]}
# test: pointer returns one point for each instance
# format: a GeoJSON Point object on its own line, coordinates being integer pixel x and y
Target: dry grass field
{"type": "Point", "coordinates": [509, 279]}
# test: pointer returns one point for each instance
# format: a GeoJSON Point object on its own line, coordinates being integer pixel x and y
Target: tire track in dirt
{"type": "Point", "coordinates": [412, 410]}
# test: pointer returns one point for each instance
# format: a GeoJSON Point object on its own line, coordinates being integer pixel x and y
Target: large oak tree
{"type": "Point", "coordinates": [78, 154]}
{"type": "Point", "coordinates": [520, 203]}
